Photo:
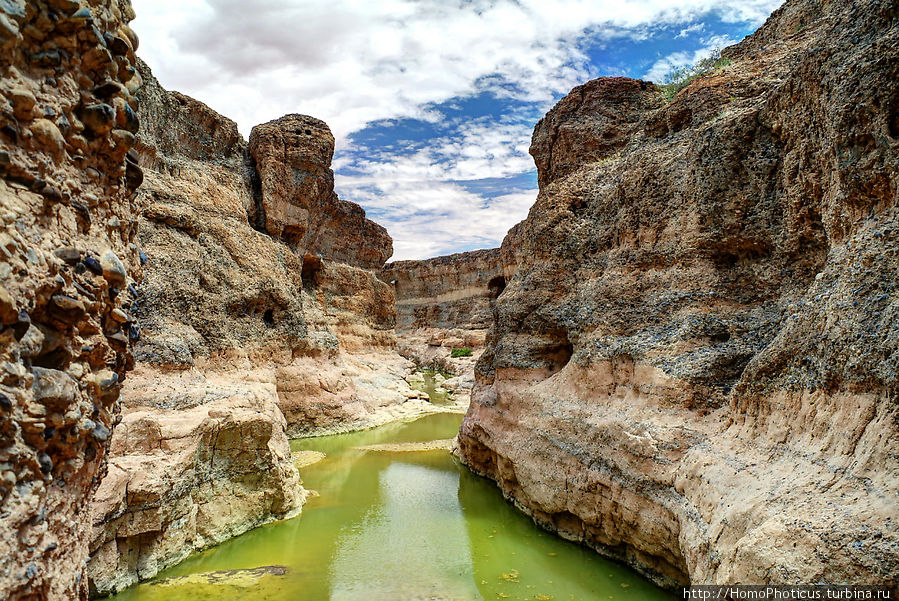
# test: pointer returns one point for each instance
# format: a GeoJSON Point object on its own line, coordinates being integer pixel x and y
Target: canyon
{"type": "Point", "coordinates": [445, 304]}
{"type": "Point", "coordinates": [261, 319]}
{"type": "Point", "coordinates": [684, 358]}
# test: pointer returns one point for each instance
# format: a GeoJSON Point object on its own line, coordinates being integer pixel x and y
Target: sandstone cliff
{"type": "Point", "coordinates": [222, 297]}
{"type": "Point", "coordinates": [695, 368]}
{"type": "Point", "coordinates": [181, 480]}
{"type": "Point", "coordinates": [298, 203]}
{"type": "Point", "coordinates": [259, 320]}
{"type": "Point", "coordinates": [446, 303]}
{"type": "Point", "coordinates": [452, 292]}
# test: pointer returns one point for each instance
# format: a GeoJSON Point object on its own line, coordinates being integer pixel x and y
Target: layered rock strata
{"type": "Point", "coordinates": [445, 303]}
{"type": "Point", "coordinates": [451, 292]}
{"type": "Point", "coordinates": [225, 299]}
{"type": "Point", "coordinates": [694, 369]}
{"type": "Point", "coordinates": [248, 334]}
{"type": "Point", "coordinates": [67, 266]}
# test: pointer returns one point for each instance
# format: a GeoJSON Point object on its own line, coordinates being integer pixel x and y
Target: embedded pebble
{"type": "Point", "coordinates": [113, 269]}
{"type": "Point", "coordinates": [48, 135]}
{"type": "Point", "coordinates": [68, 254]}
{"type": "Point", "coordinates": [23, 102]}
{"type": "Point", "coordinates": [93, 265]}
{"type": "Point", "coordinates": [101, 433]}
{"type": "Point", "coordinates": [99, 118]}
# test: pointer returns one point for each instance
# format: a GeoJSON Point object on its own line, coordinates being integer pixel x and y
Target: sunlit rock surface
{"type": "Point", "coordinates": [275, 335]}
{"type": "Point", "coordinates": [695, 367]}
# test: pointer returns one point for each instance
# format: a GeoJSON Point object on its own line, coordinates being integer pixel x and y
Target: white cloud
{"type": "Point", "coordinates": [355, 62]}
{"type": "Point", "coordinates": [430, 218]}
{"type": "Point", "coordinates": [422, 199]}
{"type": "Point", "coordinates": [351, 62]}
{"type": "Point", "coordinates": [692, 29]}
{"type": "Point", "coordinates": [662, 67]}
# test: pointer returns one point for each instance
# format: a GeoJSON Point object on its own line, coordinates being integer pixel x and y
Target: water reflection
{"type": "Point", "coordinates": [400, 527]}
{"type": "Point", "coordinates": [414, 545]}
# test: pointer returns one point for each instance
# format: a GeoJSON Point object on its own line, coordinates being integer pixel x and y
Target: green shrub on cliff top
{"type": "Point", "coordinates": [679, 78]}
{"type": "Point", "coordinates": [460, 352]}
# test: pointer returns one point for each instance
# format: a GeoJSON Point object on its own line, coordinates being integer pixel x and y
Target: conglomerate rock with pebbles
{"type": "Point", "coordinates": [68, 263]}
{"type": "Point", "coordinates": [695, 368]}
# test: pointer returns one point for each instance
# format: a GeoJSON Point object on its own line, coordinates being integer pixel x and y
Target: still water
{"type": "Point", "coordinates": [397, 526]}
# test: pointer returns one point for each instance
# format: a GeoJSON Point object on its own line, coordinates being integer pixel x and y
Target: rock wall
{"type": "Point", "coordinates": [445, 303]}
{"type": "Point", "coordinates": [694, 369]}
{"type": "Point", "coordinates": [223, 298]}
{"type": "Point", "coordinates": [298, 203]}
{"type": "Point", "coordinates": [181, 480]}
{"type": "Point", "coordinates": [67, 263]}
{"type": "Point", "coordinates": [248, 334]}
{"type": "Point", "coordinates": [452, 292]}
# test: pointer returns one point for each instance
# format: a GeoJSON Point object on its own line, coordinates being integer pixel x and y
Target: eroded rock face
{"type": "Point", "coordinates": [695, 368]}
{"type": "Point", "coordinates": [212, 282]}
{"type": "Point", "coordinates": [67, 263]}
{"type": "Point", "coordinates": [446, 303]}
{"type": "Point", "coordinates": [244, 335]}
{"type": "Point", "coordinates": [452, 292]}
{"type": "Point", "coordinates": [298, 205]}
{"type": "Point", "coordinates": [180, 481]}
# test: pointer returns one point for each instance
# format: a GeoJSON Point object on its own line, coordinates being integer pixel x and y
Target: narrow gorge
{"type": "Point", "coordinates": [684, 360]}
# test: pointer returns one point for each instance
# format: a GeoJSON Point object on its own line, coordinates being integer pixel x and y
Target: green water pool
{"type": "Point", "coordinates": [431, 387]}
{"type": "Point", "coordinates": [391, 526]}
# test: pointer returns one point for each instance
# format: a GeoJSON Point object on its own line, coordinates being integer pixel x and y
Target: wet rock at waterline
{"type": "Point", "coordinates": [694, 368]}
{"type": "Point", "coordinates": [180, 481]}
{"type": "Point", "coordinates": [401, 525]}
{"type": "Point", "coordinates": [62, 357]}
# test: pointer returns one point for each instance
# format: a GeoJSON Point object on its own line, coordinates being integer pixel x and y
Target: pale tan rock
{"type": "Point", "coordinates": [693, 369]}
{"type": "Point", "coordinates": [180, 481]}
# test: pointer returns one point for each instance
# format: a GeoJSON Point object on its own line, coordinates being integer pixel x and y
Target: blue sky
{"type": "Point", "coordinates": [432, 102]}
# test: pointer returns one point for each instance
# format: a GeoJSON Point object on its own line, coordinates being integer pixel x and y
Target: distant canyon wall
{"type": "Point", "coordinates": [450, 292]}
{"type": "Point", "coordinates": [68, 261]}
{"type": "Point", "coordinates": [695, 369]}
{"type": "Point", "coordinates": [446, 303]}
